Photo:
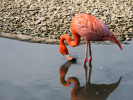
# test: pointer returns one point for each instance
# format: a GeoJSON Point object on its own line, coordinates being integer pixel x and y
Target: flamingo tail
{"type": "Point", "coordinates": [113, 39]}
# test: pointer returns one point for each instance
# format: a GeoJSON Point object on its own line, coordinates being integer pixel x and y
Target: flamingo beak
{"type": "Point", "coordinates": [68, 57]}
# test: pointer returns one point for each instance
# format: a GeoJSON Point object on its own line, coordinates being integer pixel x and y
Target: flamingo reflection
{"type": "Point", "coordinates": [89, 91]}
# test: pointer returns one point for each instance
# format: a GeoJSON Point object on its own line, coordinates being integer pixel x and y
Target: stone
{"type": "Point", "coordinates": [130, 30]}
{"type": "Point", "coordinates": [121, 37]}
{"type": "Point", "coordinates": [128, 39]}
{"type": "Point", "coordinates": [38, 40]}
{"type": "Point", "coordinates": [51, 41]}
{"type": "Point", "coordinates": [126, 36]}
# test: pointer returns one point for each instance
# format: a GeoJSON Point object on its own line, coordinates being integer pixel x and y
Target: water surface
{"type": "Point", "coordinates": [30, 71]}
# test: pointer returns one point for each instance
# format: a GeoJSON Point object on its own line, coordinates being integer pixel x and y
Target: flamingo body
{"type": "Point", "coordinates": [91, 29]}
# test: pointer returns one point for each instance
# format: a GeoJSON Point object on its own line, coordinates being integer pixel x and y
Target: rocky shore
{"type": "Point", "coordinates": [45, 21]}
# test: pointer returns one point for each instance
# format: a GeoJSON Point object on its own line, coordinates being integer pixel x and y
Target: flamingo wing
{"type": "Point", "coordinates": [87, 25]}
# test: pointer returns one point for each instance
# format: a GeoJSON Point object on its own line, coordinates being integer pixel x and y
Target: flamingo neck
{"type": "Point", "coordinates": [63, 49]}
{"type": "Point", "coordinates": [70, 80]}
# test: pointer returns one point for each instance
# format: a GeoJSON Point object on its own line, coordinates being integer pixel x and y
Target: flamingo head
{"type": "Point", "coordinates": [64, 51]}
{"type": "Point", "coordinates": [68, 57]}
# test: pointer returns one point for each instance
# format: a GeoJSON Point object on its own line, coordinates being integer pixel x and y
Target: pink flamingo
{"type": "Point", "coordinates": [91, 29]}
{"type": "Point", "coordinates": [89, 91]}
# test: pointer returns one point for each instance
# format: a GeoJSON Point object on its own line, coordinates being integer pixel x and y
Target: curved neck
{"type": "Point", "coordinates": [70, 80]}
{"type": "Point", "coordinates": [69, 40]}
{"type": "Point", "coordinates": [63, 48]}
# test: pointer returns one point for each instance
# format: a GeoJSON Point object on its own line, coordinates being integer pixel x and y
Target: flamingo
{"type": "Point", "coordinates": [91, 29]}
{"type": "Point", "coordinates": [89, 91]}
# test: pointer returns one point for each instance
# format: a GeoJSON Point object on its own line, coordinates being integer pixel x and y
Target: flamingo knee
{"type": "Point", "coordinates": [85, 60]}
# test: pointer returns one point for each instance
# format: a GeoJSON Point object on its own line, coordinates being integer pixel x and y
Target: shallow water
{"type": "Point", "coordinates": [30, 71]}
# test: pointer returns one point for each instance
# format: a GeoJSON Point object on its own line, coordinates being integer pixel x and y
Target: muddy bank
{"type": "Point", "coordinates": [45, 21]}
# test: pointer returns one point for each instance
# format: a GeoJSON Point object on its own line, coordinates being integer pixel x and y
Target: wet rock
{"type": "Point", "coordinates": [52, 41]}
{"type": "Point", "coordinates": [23, 37]}
{"type": "Point", "coordinates": [121, 38]}
{"type": "Point", "coordinates": [126, 36]}
{"type": "Point", "coordinates": [38, 40]}
{"type": "Point", "coordinates": [128, 39]}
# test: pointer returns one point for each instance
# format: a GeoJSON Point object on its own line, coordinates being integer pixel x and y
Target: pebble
{"type": "Point", "coordinates": [126, 36]}
{"type": "Point", "coordinates": [128, 39]}
{"type": "Point", "coordinates": [121, 38]}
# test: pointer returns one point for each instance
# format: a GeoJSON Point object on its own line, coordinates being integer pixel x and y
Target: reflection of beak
{"type": "Point", "coordinates": [68, 57]}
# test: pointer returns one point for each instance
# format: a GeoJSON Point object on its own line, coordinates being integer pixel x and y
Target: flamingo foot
{"type": "Point", "coordinates": [85, 60]}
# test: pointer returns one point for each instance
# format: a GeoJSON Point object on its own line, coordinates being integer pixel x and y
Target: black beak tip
{"type": "Point", "coordinates": [73, 60]}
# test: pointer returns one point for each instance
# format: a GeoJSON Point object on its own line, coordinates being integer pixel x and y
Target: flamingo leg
{"type": "Point", "coordinates": [90, 55]}
{"type": "Point", "coordinates": [86, 53]}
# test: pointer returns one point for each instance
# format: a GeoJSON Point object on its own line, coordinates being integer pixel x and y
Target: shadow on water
{"type": "Point", "coordinates": [89, 91]}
